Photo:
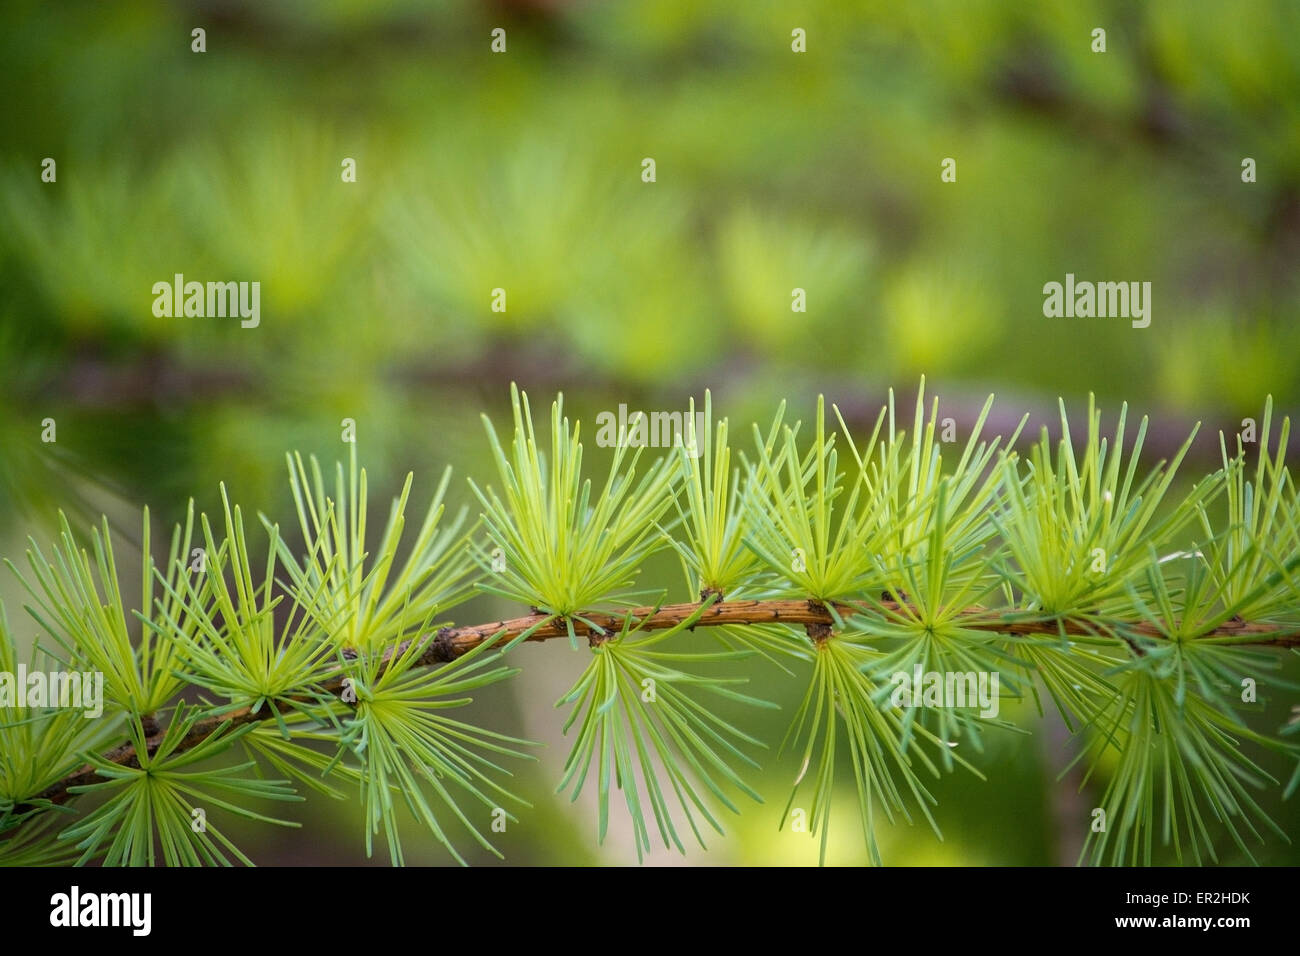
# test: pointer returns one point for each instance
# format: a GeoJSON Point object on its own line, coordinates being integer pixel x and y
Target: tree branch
{"type": "Point", "coordinates": [450, 643]}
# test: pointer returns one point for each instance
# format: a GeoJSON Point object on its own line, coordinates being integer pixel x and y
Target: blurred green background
{"type": "Point", "coordinates": [522, 170]}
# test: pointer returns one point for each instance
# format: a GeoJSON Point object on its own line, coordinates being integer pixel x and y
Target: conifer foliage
{"type": "Point", "coordinates": [1143, 606]}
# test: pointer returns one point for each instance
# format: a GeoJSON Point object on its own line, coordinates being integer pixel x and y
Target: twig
{"type": "Point", "coordinates": [450, 643]}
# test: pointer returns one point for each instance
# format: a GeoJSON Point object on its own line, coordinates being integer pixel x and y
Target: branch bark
{"type": "Point", "coordinates": [450, 643]}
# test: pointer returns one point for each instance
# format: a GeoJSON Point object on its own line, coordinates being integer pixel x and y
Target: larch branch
{"type": "Point", "coordinates": [450, 643]}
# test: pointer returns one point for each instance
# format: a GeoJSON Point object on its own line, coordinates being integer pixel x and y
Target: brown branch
{"type": "Point", "coordinates": [97, 381]}
{"type": "Point", "coordinates": [452, 642]}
